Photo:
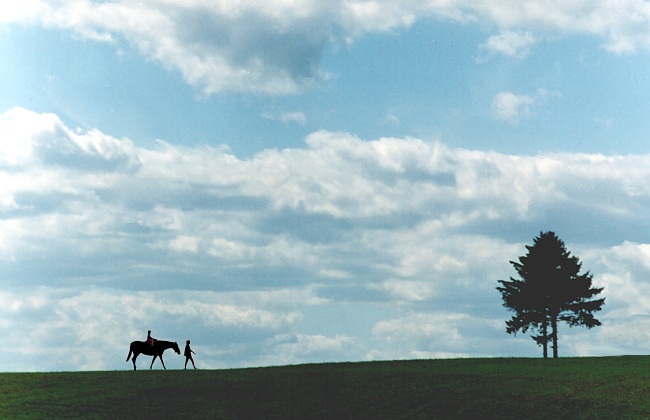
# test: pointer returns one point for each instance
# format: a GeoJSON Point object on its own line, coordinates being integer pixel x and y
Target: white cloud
{"type": "Point", "coordinates": [512, 107]}
{"type": "Point", "coordinates": [297, 117]}
{"type": "Point", "coordinates": [391, 118]}
{"type": "Point", "coordinates": [101, 235]}
{"type": "Point", "coordinates": [509, 43]}
{"type": "Point", "coordinates": [287, 349]}
{"type": "Point", "coordinates": [621, 24]}
{"type": "Point", "coordinates": [185, 243]}
{"type": "Point", "coordinates": [23, 12]}
{"type": "Point", "coordinates": [275, 47]}
{"type": "Point", "coordinates": [407, 290]}
{"type": "Point", "coordinates": [287, 117]}
{"type": "Point", "coordinates": [43, 138]}
{"type": "Point", "coordinates": [439, 334]}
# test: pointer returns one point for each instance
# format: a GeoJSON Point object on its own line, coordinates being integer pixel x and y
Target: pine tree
{"type": "Point", "coordinates": [550, 289]}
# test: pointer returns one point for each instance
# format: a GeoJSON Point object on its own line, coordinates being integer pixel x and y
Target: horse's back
{"type": "Point", "coordinates": [137, 345]}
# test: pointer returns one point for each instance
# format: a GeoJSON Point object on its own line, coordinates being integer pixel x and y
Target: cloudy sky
{"type": "Point", "coordinates": [290, 181]}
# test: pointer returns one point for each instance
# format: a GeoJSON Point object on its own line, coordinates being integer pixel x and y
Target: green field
{"type": "Point", "coordinates": [608, 387]}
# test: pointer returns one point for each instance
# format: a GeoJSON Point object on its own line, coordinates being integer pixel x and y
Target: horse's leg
{"type": "Point", "coordinates": [135, 356]}
{"type": "Point", "coordinates": [153, 360]}
{"type": "Point", "coordinates": [162, 361]}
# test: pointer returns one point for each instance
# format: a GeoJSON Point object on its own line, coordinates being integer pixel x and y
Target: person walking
{"type": "Point", "coordinates": [188, 354]}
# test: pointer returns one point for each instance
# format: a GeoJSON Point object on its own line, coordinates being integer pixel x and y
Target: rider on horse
{"type": "Point", "coordinates": [151, 347]}
{"type": "Point", "coordinates": [150, 340]}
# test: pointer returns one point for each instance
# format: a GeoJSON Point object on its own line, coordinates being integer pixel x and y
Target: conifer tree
{"type": "Point", "coordinates": [549, 289]}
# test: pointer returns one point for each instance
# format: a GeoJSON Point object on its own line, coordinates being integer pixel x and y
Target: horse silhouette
{"type": "Point", "coordinates": [155, 350]}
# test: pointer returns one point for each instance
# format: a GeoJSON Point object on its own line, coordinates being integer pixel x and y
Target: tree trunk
{"type": "Point", "coordinates": [545, 338]}
{"type": "Point", "coordinates": [554, 335]}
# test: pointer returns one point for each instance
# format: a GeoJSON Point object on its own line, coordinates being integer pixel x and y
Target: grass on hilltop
{"type": "Point", "coordinates": [608, 387]}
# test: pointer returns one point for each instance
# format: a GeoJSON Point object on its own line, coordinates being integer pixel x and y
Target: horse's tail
{"type": "Point", "coordinates": [130, 352]}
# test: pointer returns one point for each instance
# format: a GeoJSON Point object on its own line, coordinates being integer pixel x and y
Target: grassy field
{"type": "Point", "coordinates": [609, 387]}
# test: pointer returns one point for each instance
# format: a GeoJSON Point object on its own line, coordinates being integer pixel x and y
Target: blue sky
{"type": "Point", "coordinates": [305, 181]}
{"type": "Point", "coordinates": [433, 79]}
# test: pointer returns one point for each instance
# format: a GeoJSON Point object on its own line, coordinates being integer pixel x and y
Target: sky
{"type": "Point", "coordinates": [297, 181]}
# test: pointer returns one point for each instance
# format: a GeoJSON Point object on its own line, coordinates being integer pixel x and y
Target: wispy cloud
{"type": "Point", "coordinates": [296, 117]}
{"type": "Point", "coordinates": [512, 107]}
{"type": "Point", "coordinates": [508, 43]}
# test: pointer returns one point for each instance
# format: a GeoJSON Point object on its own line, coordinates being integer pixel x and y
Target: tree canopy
{"type": "Point", "coordinates": [549, 288]}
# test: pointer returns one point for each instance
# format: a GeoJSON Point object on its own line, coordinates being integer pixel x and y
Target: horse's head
{"type": "Point", "coordinates": [176, 349]}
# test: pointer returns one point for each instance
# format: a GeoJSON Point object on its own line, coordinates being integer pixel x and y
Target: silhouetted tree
{"type": "Point", "coordinates": [549, 289]}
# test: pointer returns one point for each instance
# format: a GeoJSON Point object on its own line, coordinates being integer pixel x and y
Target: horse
{"type": "Point", "coordinates": [155, 350]}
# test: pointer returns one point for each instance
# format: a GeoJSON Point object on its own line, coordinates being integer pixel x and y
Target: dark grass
{"type": "Point", "coordinates": [589, 388]}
